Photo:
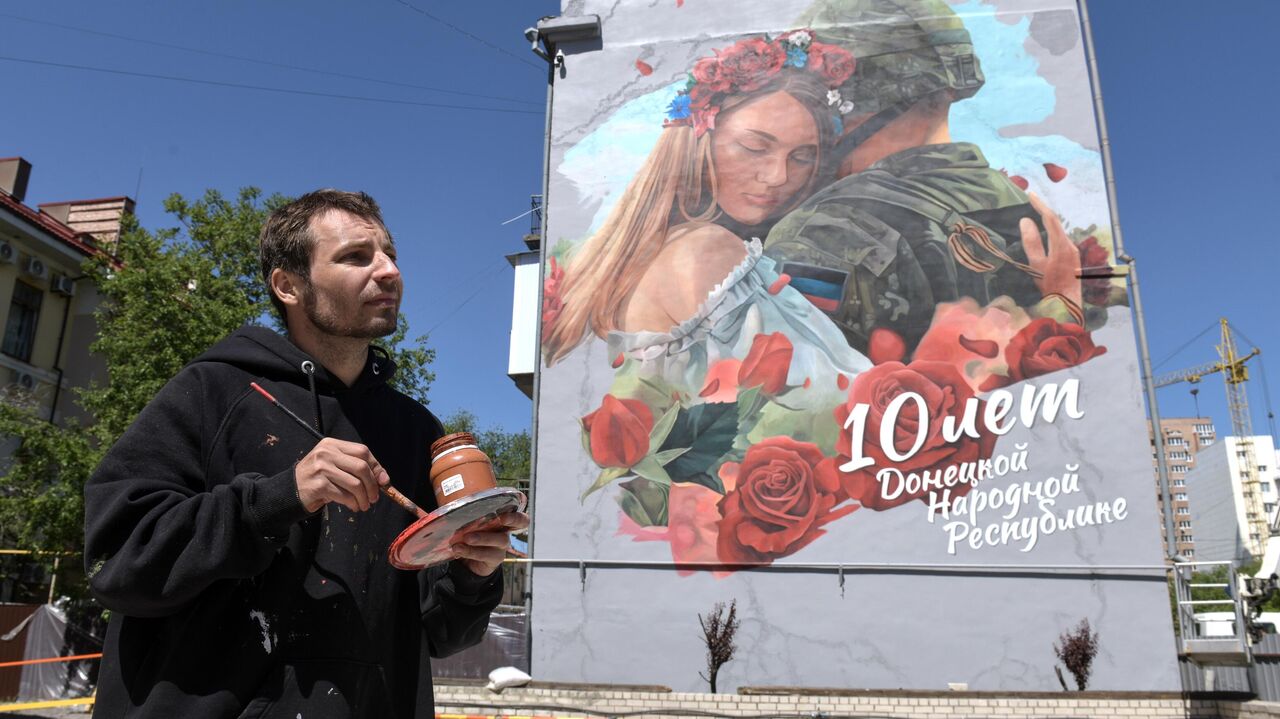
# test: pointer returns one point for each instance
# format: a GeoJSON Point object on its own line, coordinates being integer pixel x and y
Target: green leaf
{"type": "Point", "coordinates": [607, 475]}
{"type": "Point", "coordinates": [706, 432]}
{"type": "Point", "coordinates": [659, 433]}
{"type": "Point", "coordinates": [650, 469]}
{"type": "Point", "coordinates": [666, 456]}
{"type": "Point", "coordinates": [645, 501]}
{"type": "Point", "coordinates": [747, 398]}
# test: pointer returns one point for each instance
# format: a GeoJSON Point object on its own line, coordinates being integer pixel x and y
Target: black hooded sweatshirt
{"type": "Point", "coordinates": [227, 599]}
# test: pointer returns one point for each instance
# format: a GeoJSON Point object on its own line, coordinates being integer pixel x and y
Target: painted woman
{"type": "Point", "coordinates": [668, 281]}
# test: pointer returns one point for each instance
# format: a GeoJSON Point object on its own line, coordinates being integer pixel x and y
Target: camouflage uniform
{"type": "Point", "coordinates": [929, 224]}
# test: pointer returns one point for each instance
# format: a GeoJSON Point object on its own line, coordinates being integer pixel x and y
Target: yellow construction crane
{"type": "Point", "coordinates": [1232, 366]}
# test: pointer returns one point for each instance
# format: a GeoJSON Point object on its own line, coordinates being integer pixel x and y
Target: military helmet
{"type": "Point", "coordinates": [905, 49]}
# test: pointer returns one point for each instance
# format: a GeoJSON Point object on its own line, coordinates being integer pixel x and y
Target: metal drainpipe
{"type": "Point", "coordinates": [1144, 354]}
{"type": "Point", "coordinates": [57, 355]}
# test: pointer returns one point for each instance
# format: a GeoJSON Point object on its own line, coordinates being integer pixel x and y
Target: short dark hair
{"type": "Point", "coordinates": [286, 240]}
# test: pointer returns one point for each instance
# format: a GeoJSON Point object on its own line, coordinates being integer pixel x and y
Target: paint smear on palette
{"type": "Point", "coordinates": [268, 639]}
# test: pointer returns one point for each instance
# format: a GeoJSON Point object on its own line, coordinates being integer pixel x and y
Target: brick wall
{"type": "Point", "coordinates": [541, 699]}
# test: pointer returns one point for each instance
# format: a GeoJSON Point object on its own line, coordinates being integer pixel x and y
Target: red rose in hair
{"type": "Point", "coordinates": [552, 305]}
{"type": "Point", "coordinates": [767, 363]}
{"type": "Point", "coordinates": [1094, 256]}
{"type": "Point", "coordinates": [785, 492]}
{"type": "Point", "coordinates": [749, 63]}
{"type": "Point", "coordinates": [709, 73]}
{"type": "Point", "coordinates": [1047, 345]}
{"type": "Point", "coordinates": [944, 391]}
{"type": "Point", "coordinates": [833, 62]}
{"type": "Point", "coordinates": [619, 431]}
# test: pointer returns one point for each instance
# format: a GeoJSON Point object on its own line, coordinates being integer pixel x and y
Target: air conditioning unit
{"type": "Point", "coordinates": [63, 285]}
{"type": "Point", "coordinates": [8, 253]}
{"type": "Point", "coordinates": [25, 380]}
{"type": "Point", "coordinates": [35, 267]}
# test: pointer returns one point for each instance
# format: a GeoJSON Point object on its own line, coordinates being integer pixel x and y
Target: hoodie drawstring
{"type": "Point", "coordinates": [309, 369]}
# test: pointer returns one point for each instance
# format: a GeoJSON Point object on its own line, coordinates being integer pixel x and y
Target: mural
{"type": "Point", "coordinates": [831, 282]}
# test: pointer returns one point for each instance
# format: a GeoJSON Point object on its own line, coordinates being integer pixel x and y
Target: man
{"type": "Point", "coordinates": [914, 218]}
{"type": "Point", "coordinates": [244, 563]}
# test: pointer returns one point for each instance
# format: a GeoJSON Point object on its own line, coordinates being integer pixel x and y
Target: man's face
{"type": "Point", "coordinates": [354, 288]}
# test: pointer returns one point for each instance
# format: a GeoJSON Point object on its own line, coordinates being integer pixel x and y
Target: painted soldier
{"type": "Point", "coordinates": [913, 219]}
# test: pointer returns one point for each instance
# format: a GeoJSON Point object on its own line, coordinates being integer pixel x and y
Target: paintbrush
{"type": "Point", "coordinates": [388, 490]}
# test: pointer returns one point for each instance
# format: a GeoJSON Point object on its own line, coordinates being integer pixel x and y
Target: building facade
{"type": "Point", "coordinates": [1184, 437]}
{"type": "Point", "coordinates": [46, 302]}
{"type": "Point", "coordinates": [1218, 509]}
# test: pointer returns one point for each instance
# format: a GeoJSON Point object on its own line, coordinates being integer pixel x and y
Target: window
{"type": "Point", "coordinates": [1184, 525]}
{"type": "Point", "coordinates": [1179, 455]}
{"type": "Point", "coordinates": [1204, 429]}
{"type": "Point", "coordinates": [1189, 553]}
{"type": "Point", "coordinates": [1178, 469]}
{"type": "Point", "coordinates": [24, 314]}
{"type": "Point", "coordinates": [1180, 497]}
{"type": "Point", "coordinates": [1176, 442]}
{"type": "Point", "coordinates": [1179, 482]}
{"type": "Point", "coordinates": [1183, 510]}
{"type": "Point", "coordinates": [1186, 538]}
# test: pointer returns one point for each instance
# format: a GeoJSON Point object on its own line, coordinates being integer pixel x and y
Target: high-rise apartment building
{"type": "Point", "coordinates": [1184, 437]}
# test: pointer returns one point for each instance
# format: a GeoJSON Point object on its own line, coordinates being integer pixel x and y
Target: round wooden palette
{"type": "Point", "coordinates": [430, 540]}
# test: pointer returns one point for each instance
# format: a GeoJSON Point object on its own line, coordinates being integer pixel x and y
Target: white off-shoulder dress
{"type": "Point", "coordinates": [749, 302]}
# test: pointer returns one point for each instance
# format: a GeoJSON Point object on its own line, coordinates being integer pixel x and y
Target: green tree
{"type": "Point", "coordinates": [167, 296]}
{"type": "Point", "coordinates": [509, 452]}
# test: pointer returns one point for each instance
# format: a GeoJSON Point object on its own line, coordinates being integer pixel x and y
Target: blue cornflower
{"type": "Point", "coordinates": [679, 107]}
{"type": "Point", "coordinates": [797, 57]}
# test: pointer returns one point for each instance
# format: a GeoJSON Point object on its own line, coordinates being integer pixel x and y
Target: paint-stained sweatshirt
{"type": "Point", "coordinates": [227, 599]}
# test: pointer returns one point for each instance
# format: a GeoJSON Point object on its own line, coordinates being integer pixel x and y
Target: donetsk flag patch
{"type": "Point", "coordinates": [821, 286]}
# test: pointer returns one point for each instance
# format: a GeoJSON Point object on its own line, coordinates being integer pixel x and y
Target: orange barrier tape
{"type": "Point", "coordinates": [84, 701]}
{"type": "Point", "coordinates": [51, 659]}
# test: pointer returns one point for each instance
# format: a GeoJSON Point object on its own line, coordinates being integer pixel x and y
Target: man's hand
{"type": "Point", "coordinates": [339, 471]}
{"type": "Point", "coordinates": [482, 551]}
{"type": "Point", "coordinates": [1060, 265]}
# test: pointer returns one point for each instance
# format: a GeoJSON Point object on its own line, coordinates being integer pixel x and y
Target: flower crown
{"type": "Point", "coordinates": [747, 65]}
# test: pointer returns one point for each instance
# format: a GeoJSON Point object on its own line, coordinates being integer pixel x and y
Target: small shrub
{"type": "Point", "coordinates": [1076, 649]}
{"type": "Point", "coordinates": [718, 629]}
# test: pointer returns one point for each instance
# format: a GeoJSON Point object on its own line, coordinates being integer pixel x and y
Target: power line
{"type": "Point", "coordinates": [480, 288]}
{"type": "Point", "coordinates": [264, 88]}
{"type": "Point", "coordinates": [459, 30]}
{"type": "Point", "coordinates": [287, 66]}
{"type": "Point", "coordinates": [1186, 345]}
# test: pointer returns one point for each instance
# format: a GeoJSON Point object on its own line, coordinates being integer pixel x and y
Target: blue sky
{"type": "Point", "coordinates": [1189, 101]}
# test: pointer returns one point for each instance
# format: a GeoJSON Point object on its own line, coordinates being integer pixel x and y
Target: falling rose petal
{"type": "Point", "coordinates": [807, 382]}
{"type": "Point", "coordinates": [644, 67]}
{"type": "Point", "coordinates": [778, 284]}
{"type": "Point", "coordinates": [1020, 182]}
{"type": "Point", "coordinates": [729, 475]}
{"type": "Point", "coordinates": [679, 3]}
{"type": "Point", "coordinates": [1056, 173]}
{"type": "Point", "coordinates": [885, 345]}
{"type": "Point", "coordinates": [982, 348]}
{"type": "Point", "coordinates": [842, 381]}
{"type": "Point", "coordinates": [617, 361]}
{"type": "Point", "coordinates": [721, 383]}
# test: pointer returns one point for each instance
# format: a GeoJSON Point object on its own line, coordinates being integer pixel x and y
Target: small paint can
{"type": "Point", "coordinates": [458, 468]}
